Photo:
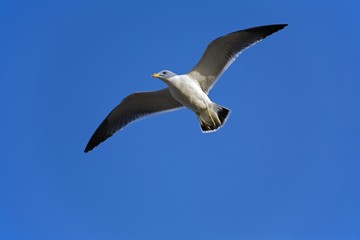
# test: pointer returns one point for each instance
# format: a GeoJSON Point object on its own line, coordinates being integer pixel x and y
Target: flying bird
{"type": "Point", "coordinates": [188, 90]}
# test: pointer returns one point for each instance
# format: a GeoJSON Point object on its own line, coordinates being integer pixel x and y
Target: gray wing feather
{"type": "Point", "coordinates": [223, 51]}
{"type": "Point", "coordinates": [131, 108]}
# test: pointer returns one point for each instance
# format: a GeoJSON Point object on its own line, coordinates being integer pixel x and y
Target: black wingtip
{"type": "Point", "coordinates": [101, 134]}
{"type": "Point", "coordinates": [266, 30]}
{"type": "Point", "coordinates": [92, 143]}
{"type": "Point", "coordinates": [281, 26]}
{"type": "Point", "coordinates": [87, 149]}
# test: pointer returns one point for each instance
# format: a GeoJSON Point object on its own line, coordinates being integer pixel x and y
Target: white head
{"type": "Point", "coordinates": [164, 75]}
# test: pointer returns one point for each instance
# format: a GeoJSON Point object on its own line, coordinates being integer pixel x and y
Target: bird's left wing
{"type": "Point", "coordinates": [134, 106]}
{"type": "Point", "coordinates": [223, 51]}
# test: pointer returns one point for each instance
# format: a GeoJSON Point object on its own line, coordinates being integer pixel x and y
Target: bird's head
{"type": "Point", "coordinates": [164, 75]}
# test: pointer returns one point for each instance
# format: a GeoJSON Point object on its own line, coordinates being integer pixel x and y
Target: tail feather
{"type": "Point", "coordinates": [223, 114]}
{"type": "Point", "coordinates": [212, 119]}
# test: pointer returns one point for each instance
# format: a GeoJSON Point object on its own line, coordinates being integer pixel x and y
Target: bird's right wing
{"type": "Point", "coordinates": [134, 106]}
{"type": "Point", "coordinates": [223, 51]}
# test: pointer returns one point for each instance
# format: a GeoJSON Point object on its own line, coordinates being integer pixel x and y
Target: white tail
{"type": "Point", "coordinates": [213, 118]}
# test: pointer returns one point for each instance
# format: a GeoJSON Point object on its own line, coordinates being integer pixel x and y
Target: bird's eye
{"type": "Point", "coordinates": [164, 73]}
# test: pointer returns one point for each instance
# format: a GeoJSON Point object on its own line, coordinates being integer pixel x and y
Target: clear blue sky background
{"type": "Point", "coordinates": [285, 166]}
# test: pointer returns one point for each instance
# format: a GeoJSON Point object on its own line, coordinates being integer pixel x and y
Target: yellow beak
{"type": "Point", "coordinates": [155, 75]}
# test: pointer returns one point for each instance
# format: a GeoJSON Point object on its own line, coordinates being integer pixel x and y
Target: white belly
{"type": "Point", "coordinates": [188, 92]}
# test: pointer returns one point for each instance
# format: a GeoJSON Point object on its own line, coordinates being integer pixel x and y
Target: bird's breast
{"type": "Point", "coordinates": [188, 92]}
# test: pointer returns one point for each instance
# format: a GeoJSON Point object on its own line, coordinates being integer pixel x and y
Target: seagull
{"type": "Point", "coordinates": [188, 90]}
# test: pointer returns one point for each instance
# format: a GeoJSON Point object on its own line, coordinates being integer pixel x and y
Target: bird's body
{"type": "Point", "coordinates": [188, 90]}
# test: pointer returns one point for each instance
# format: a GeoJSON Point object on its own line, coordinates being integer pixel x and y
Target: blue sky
{"type": "Point", "coordinates": [285, 166]}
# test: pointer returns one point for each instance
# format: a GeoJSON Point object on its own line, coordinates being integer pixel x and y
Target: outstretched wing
{"type": "Point", "coordinates": [131, 108]}
{"type": "Point", "coordinates": [223, 51]}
